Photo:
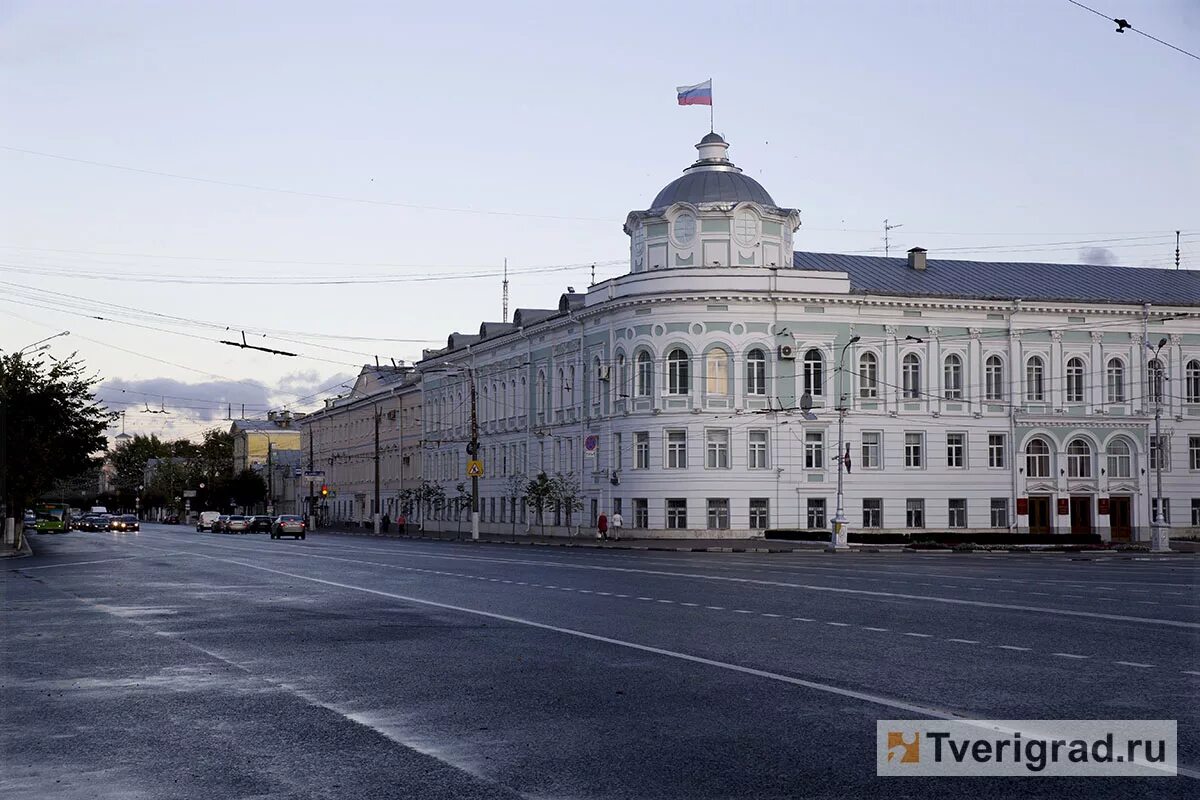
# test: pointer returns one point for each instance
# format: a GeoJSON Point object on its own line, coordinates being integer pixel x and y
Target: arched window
{"type": "Point", "coordinates": [1114, 381]}
{"type": "Point", "coordinates": [953, 375]}
{"type": "Point", "coordinates": [1155, 372]}
{"type": "Point", "coordinates": [542, 398]}
{"type": "Point", "coordinates": [716, 371]}
{"type": "Point", "coordinates": [756, 372]}
{"type": "Point", "coordinates": [868, 375]}
{"type": "Point", "coordinates": [814, 373]}
{"type": "Point", "coordinates": [1035, 379]}
{"type": "Point", "coordinates": [1192, 382]}
{"type": "Point", "coordinates": [645, 374]}
{"type": "Point", "coordinates": [595, 381]}
{"type": "Point", "coordinates": [678, 374]}
{"type": "Point", "coordinates": [911, 374]}
{"type": "Point", "coordinates": [1120, 459]}
{"type": "Point", "coordinates": [1079, 459]}
{"type": "Point", "coordinates": [1075, 370]}
{"type": "Point", "coordinates": [1037, 459]}
{"type": "Point", "coordinates": [622, 382]}
{"type": "Point", "coordinates": [993, 378]}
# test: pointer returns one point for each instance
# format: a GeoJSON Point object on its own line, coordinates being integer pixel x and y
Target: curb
{"type": "Point", "coordinates": [25, 551]}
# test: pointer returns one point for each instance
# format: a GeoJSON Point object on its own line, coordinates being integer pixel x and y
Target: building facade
{"type": "Point", "coordinates": [378, 421]}
{"type": "Point", "coordinates": [700, 394]}
{"type": "Point", "coordinates": [254, 440]}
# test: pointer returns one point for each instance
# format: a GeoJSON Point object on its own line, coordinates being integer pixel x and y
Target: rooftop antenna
{"type": "Point", "coordinates": [376, 362]}
{"type": "Point", "coordinates": [593, 283]}
{"type": "Point", "coordinates": [886, 229]}
{"type": "Point", "coordinates": [504, 313]}
{"type": "Point", "coordinates": [1176, 249]}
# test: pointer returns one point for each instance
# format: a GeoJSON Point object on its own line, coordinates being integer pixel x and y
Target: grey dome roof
{"type": "Point", "coordinates": [712, 138]}
{"type": "Point", "coordinates": [712, 187]}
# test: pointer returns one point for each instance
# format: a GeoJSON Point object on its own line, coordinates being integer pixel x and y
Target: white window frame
{"type": "Point", "coordinates": [956, 450]}
{"type": "Point", "coordinates": [993, 378]}
{"type": "Point", "coordinates": [814, 450]}
{"type": "Point", "coordinates": [914, 450]}
{"type": "Point", "coordinates": [758, 449]}
{"type": "Point", "coordinates": [675, 442]}
{"type": "Point", "coordinates": [641, 450]}
{"type": "Point", "coordinates": [952, 376]}
{"type": "Point", "coordinates": [716, 448]}
{"type": "Point", "coordinates": [997, 450]}
{"type": "Point", "coordinates": [871, 450]}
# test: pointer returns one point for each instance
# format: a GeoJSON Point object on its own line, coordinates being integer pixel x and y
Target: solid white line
{"type": "Point", "coordinates": [1069, 655]}
{"type": "Point", "coordinates": [963, 641]}
{"type": "Point", "coordinates": [1014, 647]}
{"type": "Point", "coordinates": [901, 705]}
{"type": "Point", "coordinates": [1133, 664]}
{"type": "Point", "coordinates": [97, 561]}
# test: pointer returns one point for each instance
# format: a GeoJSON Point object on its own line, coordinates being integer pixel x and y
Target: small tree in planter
{"type": "Point", "coordinates": [460, 502]}
{"type": "Point", "coordinates": [539, 495]}
{"type": "Point", "coordinates": [565, 492]}
{"type": "Point", "coordinates": [427, 495]}
{"type": "Point", "coordinates": [514, 487]}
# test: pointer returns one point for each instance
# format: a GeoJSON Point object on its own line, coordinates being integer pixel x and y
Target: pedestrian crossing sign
{"type": "Point", "coordinates": [474, 468]}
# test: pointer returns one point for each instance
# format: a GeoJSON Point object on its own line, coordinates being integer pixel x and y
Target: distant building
{"type": "Point", "coordinates": [340, 441]}
{"type": "Point", "coordinates": [253, 438]}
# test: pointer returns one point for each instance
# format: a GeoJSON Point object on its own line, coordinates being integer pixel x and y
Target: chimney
{"type": "Point", "coordinates": [916, 258]}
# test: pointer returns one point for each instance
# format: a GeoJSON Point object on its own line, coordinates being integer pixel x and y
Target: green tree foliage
{"type": "Point", "coordinates": [565, 492]}
{"type": "Point", "coordinates": [539, 495]}
{"type": "Point", "coordinates": [129, 463]}
{"type": "Point", "coordinates": [50, 425]}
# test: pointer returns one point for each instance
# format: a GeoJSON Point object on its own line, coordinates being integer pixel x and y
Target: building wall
{"type": "Point", "coordinates": [542, 390]}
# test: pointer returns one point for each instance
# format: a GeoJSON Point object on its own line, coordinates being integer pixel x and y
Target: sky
{"type": "Point", "coordinates": [344, 181]}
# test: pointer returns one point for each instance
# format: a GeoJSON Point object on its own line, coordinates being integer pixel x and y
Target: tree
{"type": "Point", "coordinates": [214, 455]}
{"type": "Point", "coordinates": [565, 491]}
{"type": "Point", "coordinates": [129, 464]}
{"type": "Point", "coordinates": [460, 502]}
{"type": "Point", "coordinates": [539, 494]}
{"type": "Point", "coordinates": [50, 426]}
{"type": "Point", "coordinates": [247, 489]}
{"type": "Point", "coordinates": [514, 487]}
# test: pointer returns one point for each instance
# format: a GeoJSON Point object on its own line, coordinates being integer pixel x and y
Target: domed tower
{"type": "Point", "coordinates": [711, 216]}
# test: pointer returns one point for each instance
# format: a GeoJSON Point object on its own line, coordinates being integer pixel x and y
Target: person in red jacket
{"type": "Point", "coordinates": [602, 527]}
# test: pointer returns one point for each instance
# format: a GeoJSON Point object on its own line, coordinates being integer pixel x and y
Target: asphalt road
{"type": "Point", "coordinates": [171, 664]}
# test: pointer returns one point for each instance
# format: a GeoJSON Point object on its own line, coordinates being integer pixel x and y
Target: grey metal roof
{"type": "Point", "coordinates": [712, 186]}
{"type": "Point", "coordinates": [1005, 280]}
{"type": "Point", "coordinates": [712, 138]}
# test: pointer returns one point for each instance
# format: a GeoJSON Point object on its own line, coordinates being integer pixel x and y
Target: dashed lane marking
{"type": "Point", "coordinates": [878, 630]}
{"type": "Point", "coordinates": [1134, 664]}
{"type": "Point", "coordinates": [1069, 655]}
{"type": "Point", "coordinates": [1013, 647]}
{"type": "Point", "coordinates": [919, 635]}
{"type": "Point", "coordinates": [964, 641]}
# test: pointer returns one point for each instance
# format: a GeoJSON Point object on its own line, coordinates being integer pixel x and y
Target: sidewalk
{"type": "Point", "coordinates": [590, 541]}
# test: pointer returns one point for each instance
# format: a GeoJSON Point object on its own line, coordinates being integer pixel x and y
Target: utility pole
{"type": "Point", "coordinates": [886, 241]}
{"type": "Point", "coordinates": [504, 317]}
{"type": "Point", "coordinates": [474, 453]}
{"type": "Point", "coordinates": [839, 540]}
{"type": "Point", "coordinates": [375, 503]}
{"type": "Point", "coordinates": [312, 509]}
{"type": "Point", "coordinates": [1176, 249]}
{"type": "Point", "coordinates": [1160, 541]}
{"type": "Point", "coordinates": [270, 478]}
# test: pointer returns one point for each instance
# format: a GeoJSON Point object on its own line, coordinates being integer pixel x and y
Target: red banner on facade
{"type": "Point", "coordinates": [1023, 506]}
{"type": "Point", "coordinates": [1064, 507]}
{"type": "Point", "coordinates": [1103, 503]}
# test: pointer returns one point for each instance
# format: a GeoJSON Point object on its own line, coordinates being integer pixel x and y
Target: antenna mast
{"type": "Point", "coordinates": [886, 242]}
{"type": "Point", "coordinates": [504, 317]}
{"type": "Point", "coordinates": [1176, 249]}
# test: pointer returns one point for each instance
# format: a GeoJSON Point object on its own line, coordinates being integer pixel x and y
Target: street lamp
{"type": "Point", "coordinates": [839, 540]}
{"type": "Point", "coordinates": [472, 446]}
{"type": "Point", "coordinates": [41, 341]}
{"type": "Point", "coordinates": [1160, 529]}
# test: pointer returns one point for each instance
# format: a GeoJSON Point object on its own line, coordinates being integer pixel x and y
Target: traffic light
{"type": "Point", "coordinates": [324, 490]}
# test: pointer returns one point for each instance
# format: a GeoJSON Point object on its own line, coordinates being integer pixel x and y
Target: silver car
{"type": "Point", "coordinates": [289, 525]}
{"type": "Point", "coordinates": [237, 524]}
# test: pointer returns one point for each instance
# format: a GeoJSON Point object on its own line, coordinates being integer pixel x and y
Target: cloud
{"type": "Point", "coordinates": [306, 387]}
{"type": "Point", "coordinates": [1100, 256]}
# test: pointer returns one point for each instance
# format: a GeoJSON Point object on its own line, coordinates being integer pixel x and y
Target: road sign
{"type": "Point", "coordinates": [189, 492]}
{"type": "Point", "coordinates": [591, 444]}
{"type": "Point", "coordinates": [474, 468]}
{"type": "Point", "coordinates": [315, 474]}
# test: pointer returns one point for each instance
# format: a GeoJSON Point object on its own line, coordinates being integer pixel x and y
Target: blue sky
{"type": "Point", "coordinates": [1011, 126]}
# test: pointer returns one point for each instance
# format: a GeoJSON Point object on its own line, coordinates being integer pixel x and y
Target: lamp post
{"type": "Point", "coordinates": [472, 446]}
{"type": "Point", "coordinates": [41, 341]}
{"type": "Point", "coordinates": [1160, 529]}
{"type": "Point", "coordinates": [839, 541]}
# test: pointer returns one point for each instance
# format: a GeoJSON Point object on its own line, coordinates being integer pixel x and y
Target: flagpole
{"type": "Point", "coordinates": [711, 126]}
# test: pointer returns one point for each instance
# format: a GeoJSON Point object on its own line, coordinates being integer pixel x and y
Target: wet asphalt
{"type": "Point", "coordinates": [172, 664]}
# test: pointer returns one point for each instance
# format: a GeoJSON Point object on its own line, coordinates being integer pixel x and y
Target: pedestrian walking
{"type": "Point", "coordinates": [602, 527]}
{"type": "Point", "coordinates": [385, 522]}
{"type": "Point", "coordinates": [617, 524]}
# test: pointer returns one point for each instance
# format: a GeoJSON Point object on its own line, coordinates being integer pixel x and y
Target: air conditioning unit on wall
{"type": "Point", "coordinates": [787, 351]}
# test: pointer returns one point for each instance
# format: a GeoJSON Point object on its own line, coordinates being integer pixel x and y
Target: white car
{"type": "Point", "coordinates": [206, 520]}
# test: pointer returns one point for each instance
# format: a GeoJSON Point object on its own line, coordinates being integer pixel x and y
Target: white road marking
{"type": "Point", "coordinates": [1069, 655]}
{"type": "Point", "coordinates": [869, 628]}
{"type": "Point", "coordinates": [776, 616]}
{"type": "Point", "coordinates": [742, 611]}
{"type": "Point", "coordinates": [963, 641]}
{"type": "Point", "coordinates": [888, 702]}
{"type": "Point", "coordinates": [1190, 672]}
{"type": "Point", "coordinates": [666, 601]}
{"type": "Point", "coordinates": [1133, 664]}
{"type": "Point", "coordinates": [1013, 647]}
{"type": "Point", "coordinates": [839, 624]}
{"type": "Point", "coordinates": [98, 561]}
{"type": "Point", "coordinates": [690, 605]}
{"type": "Point", "coordinates": [803, 619]}
{"type": "Point", "coordinates": [715, 608]}
{"type": "Point", "coordinates": [920, 635]}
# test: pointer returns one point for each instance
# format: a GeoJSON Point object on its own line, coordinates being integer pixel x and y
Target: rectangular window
{"type": "Point", "coordinates": [758, 456]}
{"type": "Point", "coordinates": [1194, 452]}
{"type": "Point", "coordinates": [816, 513]}
{"type": "Point", "coordinates": [641, 450]}
{"type": "Point", "coordinates": [677, 513]}
{"type": "Point", "coordinates": [914, 450]}
{"type": "Point", "coordinates": [1195, 512]}
{"type": "Point", "coordinates": [718, 514]}
{"type": "Point", "coordinates": [997, 450]}
{"type": "Point", "coordinates": [871, 450]}
{"type": "Point", "coordinates": [676, 449]}
{"type": "Point", "coordinates": [716, 449]}
{"type": "Point", "coordinates": [956, 450]}
{"type": "Point", "coordinates": [1166, 508]}
{"type": "Point", "coordinates": [617, 458]}
{"type": "Point", "coordinates": [814, 450]}
{"type": "Point", "coordinates": [914, 512]}
{"type": "Point", "coordinates": [1160, 452]}
{"type": "Point", "coordinates": [872, 512]}
{"type": "Point", "coordinates": [760, 512]}
{"type": "Point", "coordinates": [999, 512]}
{"type": "Point", "coordinates": [641, 512]}
{"type": "Point", "coordinates": [957, 516]}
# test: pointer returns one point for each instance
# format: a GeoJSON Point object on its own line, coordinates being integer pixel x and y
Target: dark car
{"type": "Point", "coordinates": [125, 522]}
{"type": "Point", "coordinates": [288, 525]}
{"type": "Point", "coordinates": [219, 524]}
{"type": "Point", "coordinates": [260, 523]}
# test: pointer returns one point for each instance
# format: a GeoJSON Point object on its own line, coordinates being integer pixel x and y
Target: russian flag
{"type": "Point", "coordinates": [698, 95]}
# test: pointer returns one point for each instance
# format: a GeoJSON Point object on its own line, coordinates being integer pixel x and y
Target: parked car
{"type": "Point", "coordinates": [125, 522]}
{"type": "Point", "coordinates": [86, 523]}
{"type": "Point", "coordinates": [288, 525]}
{"type": "Point", "coordinates": [236, 523]}
{"type": "Point", "coordinates": [29, 523]}
{"type": "Point", "coordinates": [261, 523]}
{"type": "Point", "coordinates": [207, 521]}
{"type": "Point", "coordinates": [170, 519]}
